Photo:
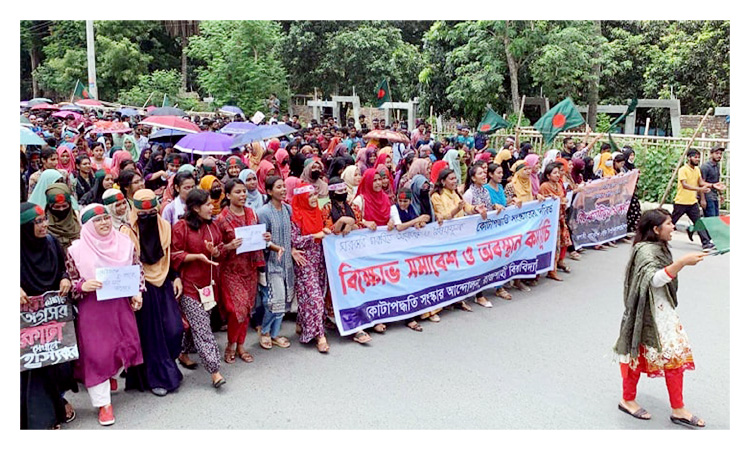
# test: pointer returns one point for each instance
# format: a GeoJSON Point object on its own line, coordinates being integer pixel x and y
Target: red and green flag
{"type": "Point", "coordinates": [80, 91]}
{"type": "Point", "coordinates": [718, 229]}
{"type": "Point", "coordinates": [563, 116]}
{"type": "Point", "coordinates": [382, 93]}
{"type": "Point", "coordinates": [492, 121]}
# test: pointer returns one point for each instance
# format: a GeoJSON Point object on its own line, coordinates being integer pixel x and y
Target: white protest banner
{"type": "Point", "coordinates": [118, 282]}
{"type": "Point", "coordinates": [252, 238]}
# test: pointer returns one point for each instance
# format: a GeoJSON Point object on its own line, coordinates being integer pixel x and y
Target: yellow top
{"type": "Point", "coordinates": [446, 202]}
{"type": "Point", "coordinates": [691, 176]}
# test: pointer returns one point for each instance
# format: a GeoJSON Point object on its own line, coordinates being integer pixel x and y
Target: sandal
{"type": "Point", "coordinates": [465, 306]}
{"type": "Point", "coordinates": [482, 301]}
{"type": "Point", "coordinates": [281, 341]}
{"type": "Point", "coordinates": [502, 293]}
{"type": "Point", "coordinates": [414, 325]}
{"type": "Point", "coordinates": [521, 286]}
{"type": "Point", "coordinates": [244, 355]}
{"type": "Point", "coordinates": [322, 345]}
{"type": "Point", "coordinates": [694, 421]}
{"type": "Point", "coordinates": [379, 328]}
{"type": "Point", "coordinates": [70, 413]}
{"type": "Point", "coordinates": [265, 341]}
{"type": "Point", "coordinates": [229, 354]}
{"type": "Point", "coordinates": [575, 256]}
{"type": "Point", "coordinates": [434, 318]}
{"type": "Point", "coordinates": [362, 337]}
{"type": "Point", "coordinates": [191, 365]}
{"type": "Point", "coordinates": [219, 383]}
{"type": "Point", "coordinates": [563, 267]}
{"type": "Point", "coordinates": [640, 414]}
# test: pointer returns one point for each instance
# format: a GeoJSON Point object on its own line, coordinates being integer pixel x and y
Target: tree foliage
{"type": "Point", "coordinates": [239, 62]}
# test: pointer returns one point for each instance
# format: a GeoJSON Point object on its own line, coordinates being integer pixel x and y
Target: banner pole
{"type": "Point", "coordinates": [682, 157]}
{"type": "Point", "coordinates": [518, 125]}
{"type": "Point", "coordinates": [147, 100]}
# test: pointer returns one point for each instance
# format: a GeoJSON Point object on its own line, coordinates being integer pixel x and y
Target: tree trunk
{"type": "Point", "coordinates": [35, 60]}
{"type": "Point", "coordinates": [596, 71]}
{"type": "Point", "coordinates": [513, 71]}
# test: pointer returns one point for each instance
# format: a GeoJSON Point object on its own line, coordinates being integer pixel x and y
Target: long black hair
{"type": "Point", "coordinates": [180, 178]}
{"type": "Point", "coordinates": [231, 183]}
{"type": "Point", "coordinates": [439, 183]}
{"type": "Point", "coordinates": [469, 174]}
{"type": "Point", "coordinates": [270, 181]}
{"type": "Point", "coordinates": [645, 228]}
{"type": "Point", "coordinates": [196, 198]}
{"type": "Point", "coordinates": [548, 170]}
{"type": "Point", "coordinates": [125, 179]}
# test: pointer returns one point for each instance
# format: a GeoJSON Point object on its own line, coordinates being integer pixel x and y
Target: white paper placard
{"type": "Point", "coordinates": [252, 238]}
{"type": "Point", "coordinates": [118, 282]}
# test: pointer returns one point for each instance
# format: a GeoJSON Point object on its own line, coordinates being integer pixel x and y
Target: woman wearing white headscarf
{"type": "Point", "coordinates": [452, 158]}
{"type": "Point", "coordinates": [118, 208]}
{"type": "Point", "coordinates": [549, 157]}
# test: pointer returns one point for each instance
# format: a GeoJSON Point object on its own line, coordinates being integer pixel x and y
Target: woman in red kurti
{"type": "Point", "coordinates": [239, 272]}
{"type": "Point", "coordinates": [196, 245]}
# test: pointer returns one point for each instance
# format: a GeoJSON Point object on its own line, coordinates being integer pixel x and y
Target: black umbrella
{"type": "Point", "coordinates": [167, 111]}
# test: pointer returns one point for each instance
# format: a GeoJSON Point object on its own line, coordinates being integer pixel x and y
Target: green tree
{"type": "Point", "coordinates": [239, 62]}
{"type": "Point", "coordinates": [436, 74]}
{"type": "Point", "coordinates": [154, 85]}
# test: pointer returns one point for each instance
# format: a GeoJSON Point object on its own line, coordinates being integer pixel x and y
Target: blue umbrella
{"type": "Point", "coordinates": [28, 137]}
{"type": "Point", "coordinates": [167, 135]}
{"type": "Point", "coordinates": [205, 143]}
{"type": "Point", "coordinates": [261, 133]}
{"type": "Point", "coordinates": [231, 110]}
{"type": "Point", "coordinates": [130, 112]}
{"type": "Point", "coordinates": [238, 127]}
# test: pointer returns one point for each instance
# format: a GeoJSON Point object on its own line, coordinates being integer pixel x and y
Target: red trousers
{"type": "Point", "coordinates": [236, 331]}
{"type": "Point", "coordinates": [563, 252]}
{"type": "Point", "coordinates": [673, 378]}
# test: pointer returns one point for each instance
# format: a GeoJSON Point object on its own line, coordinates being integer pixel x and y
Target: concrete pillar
{"type": "Point", "coordinates": [630, 123]}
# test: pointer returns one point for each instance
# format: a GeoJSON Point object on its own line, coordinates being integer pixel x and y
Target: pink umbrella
{"type": "Point", "coordinates": [89, 102]}
{"type": "Point", "coordinates": [172, 123]}
{"type": "Point", "coordinates": [64, 114]}
{"type": "Point", "coordinates": [105, 126]}
{"type": "Point", "coordinates": [43, 106]}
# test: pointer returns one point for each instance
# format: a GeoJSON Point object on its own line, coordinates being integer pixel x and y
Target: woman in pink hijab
{"type": "Point", "coordinates": [281, 158]}
{"type": "Point", "coordinates": [119, 157]}
{"type": "Point", "coordinates": [532, 160]}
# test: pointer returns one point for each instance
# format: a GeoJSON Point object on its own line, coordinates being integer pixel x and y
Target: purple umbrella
{"type": "Point", "coordinates": [205, 143]}
{"type": "Point", "coordinates": [238, 127]}
{"type": "Point", "coordinates": [232, 110]}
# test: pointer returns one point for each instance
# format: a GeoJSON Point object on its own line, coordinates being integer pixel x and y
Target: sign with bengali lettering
{"type": "Point", "coordinates": [48, 334]}
{"type": "Point", "coordinates": [381, 276]}
{"type": "Point", "coordinates": [599, 212]}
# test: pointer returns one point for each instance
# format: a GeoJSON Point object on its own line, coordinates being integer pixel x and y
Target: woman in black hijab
{"type": "Point", "coordinates": [297, 164]}
{"type": "Point", "coordinates": [338, 164]}
{"type": "Point", "coordinates": [42, 270]}
{"type": "Point", "coordinates": [103, 180]}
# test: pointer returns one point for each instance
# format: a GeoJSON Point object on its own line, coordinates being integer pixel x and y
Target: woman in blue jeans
{"type": "Point", "coordinates": [279, 274]}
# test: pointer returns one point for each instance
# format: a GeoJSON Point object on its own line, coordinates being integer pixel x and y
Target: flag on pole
{"type": "Point", "coordinates": [492, 121]}
{"type": "Point", "coordinates": [166, 101]}
{"type": "Point", "coordinates": [718, 229]}
{"type": "Point", "coordinates": [631, 108]}
{"type": "Point", "coordinates": [80, 91]}
{"type": "Point", "coordinates": [383, 93]}
{"type": "Point", "coordinates": [563, 116]}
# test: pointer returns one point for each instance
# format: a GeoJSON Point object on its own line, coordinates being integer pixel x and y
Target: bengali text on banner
{"type": "Point", "coordinates": [381, 276]}
{"type": "Point", "coordinates": [599, 212]}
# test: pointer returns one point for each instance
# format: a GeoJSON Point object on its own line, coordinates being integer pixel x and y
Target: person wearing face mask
{"type": "Point", "coordinates": [212, 185]}
{"type": "Point", "coordinates": [313, 174]}
{"type": "Point", "coordinates": [159, 321]}
{"type": "Point", "coordinates": [43, 269]}
{"type": "Point", "coordinates": [341, 216]}
{"type": "Point", "coordinates": [155, 174]}
{"type": "Point", "coordinates": [63, 222]}
{"type": "Point", "coordinates": [106, 331]}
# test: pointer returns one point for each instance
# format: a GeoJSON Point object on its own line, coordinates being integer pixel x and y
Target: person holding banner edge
{"type": "Point", "coordinates": [43, 405]}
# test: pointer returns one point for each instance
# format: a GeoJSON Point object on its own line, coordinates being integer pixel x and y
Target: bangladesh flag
{"type": "Point", "coordinates": [383, 93]}
{"type": "Point", "coordinates": [492, 121]}
{"type": "Point", "coordinates": [563, 116]}
{"type": "Point", "coordinates": [718, 228]}
{"type": "Point", "coordinates": [80, 91]}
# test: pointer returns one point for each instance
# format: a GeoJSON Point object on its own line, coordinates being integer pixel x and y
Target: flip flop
{"type": "Point", "coordinates": [416, 327]}
{"type": "Point", "coordinates": [219, 383]}
{"type": "Point", "coordinates": [692, 423]}
{"type": "Point", "coordinates": [192, 366]}
{"type": "Point", "coordinates": [362, 338]}
{"type": "Point", "coordinates": [640, 414]}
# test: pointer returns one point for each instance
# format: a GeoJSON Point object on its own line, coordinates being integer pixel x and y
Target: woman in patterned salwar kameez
{"type": "Point", "coordinates": [310, 281]}
{"type": "Point", "coordinates": [652, 339]}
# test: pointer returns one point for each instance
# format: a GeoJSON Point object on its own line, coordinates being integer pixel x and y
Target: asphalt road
{"type": "Point", "coordinates": [540, 361]}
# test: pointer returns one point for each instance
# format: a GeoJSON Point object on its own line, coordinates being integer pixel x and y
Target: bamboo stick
{"type": "Point", "coordinates": [518, 125]}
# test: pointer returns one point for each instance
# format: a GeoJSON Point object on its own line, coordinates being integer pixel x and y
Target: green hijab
{"type": "Point", "coordinates": [66, 229]}
{"type": "Point", "coordinates": [135, 151]}
{"type": "Point", "coordinates": [39, 194]}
